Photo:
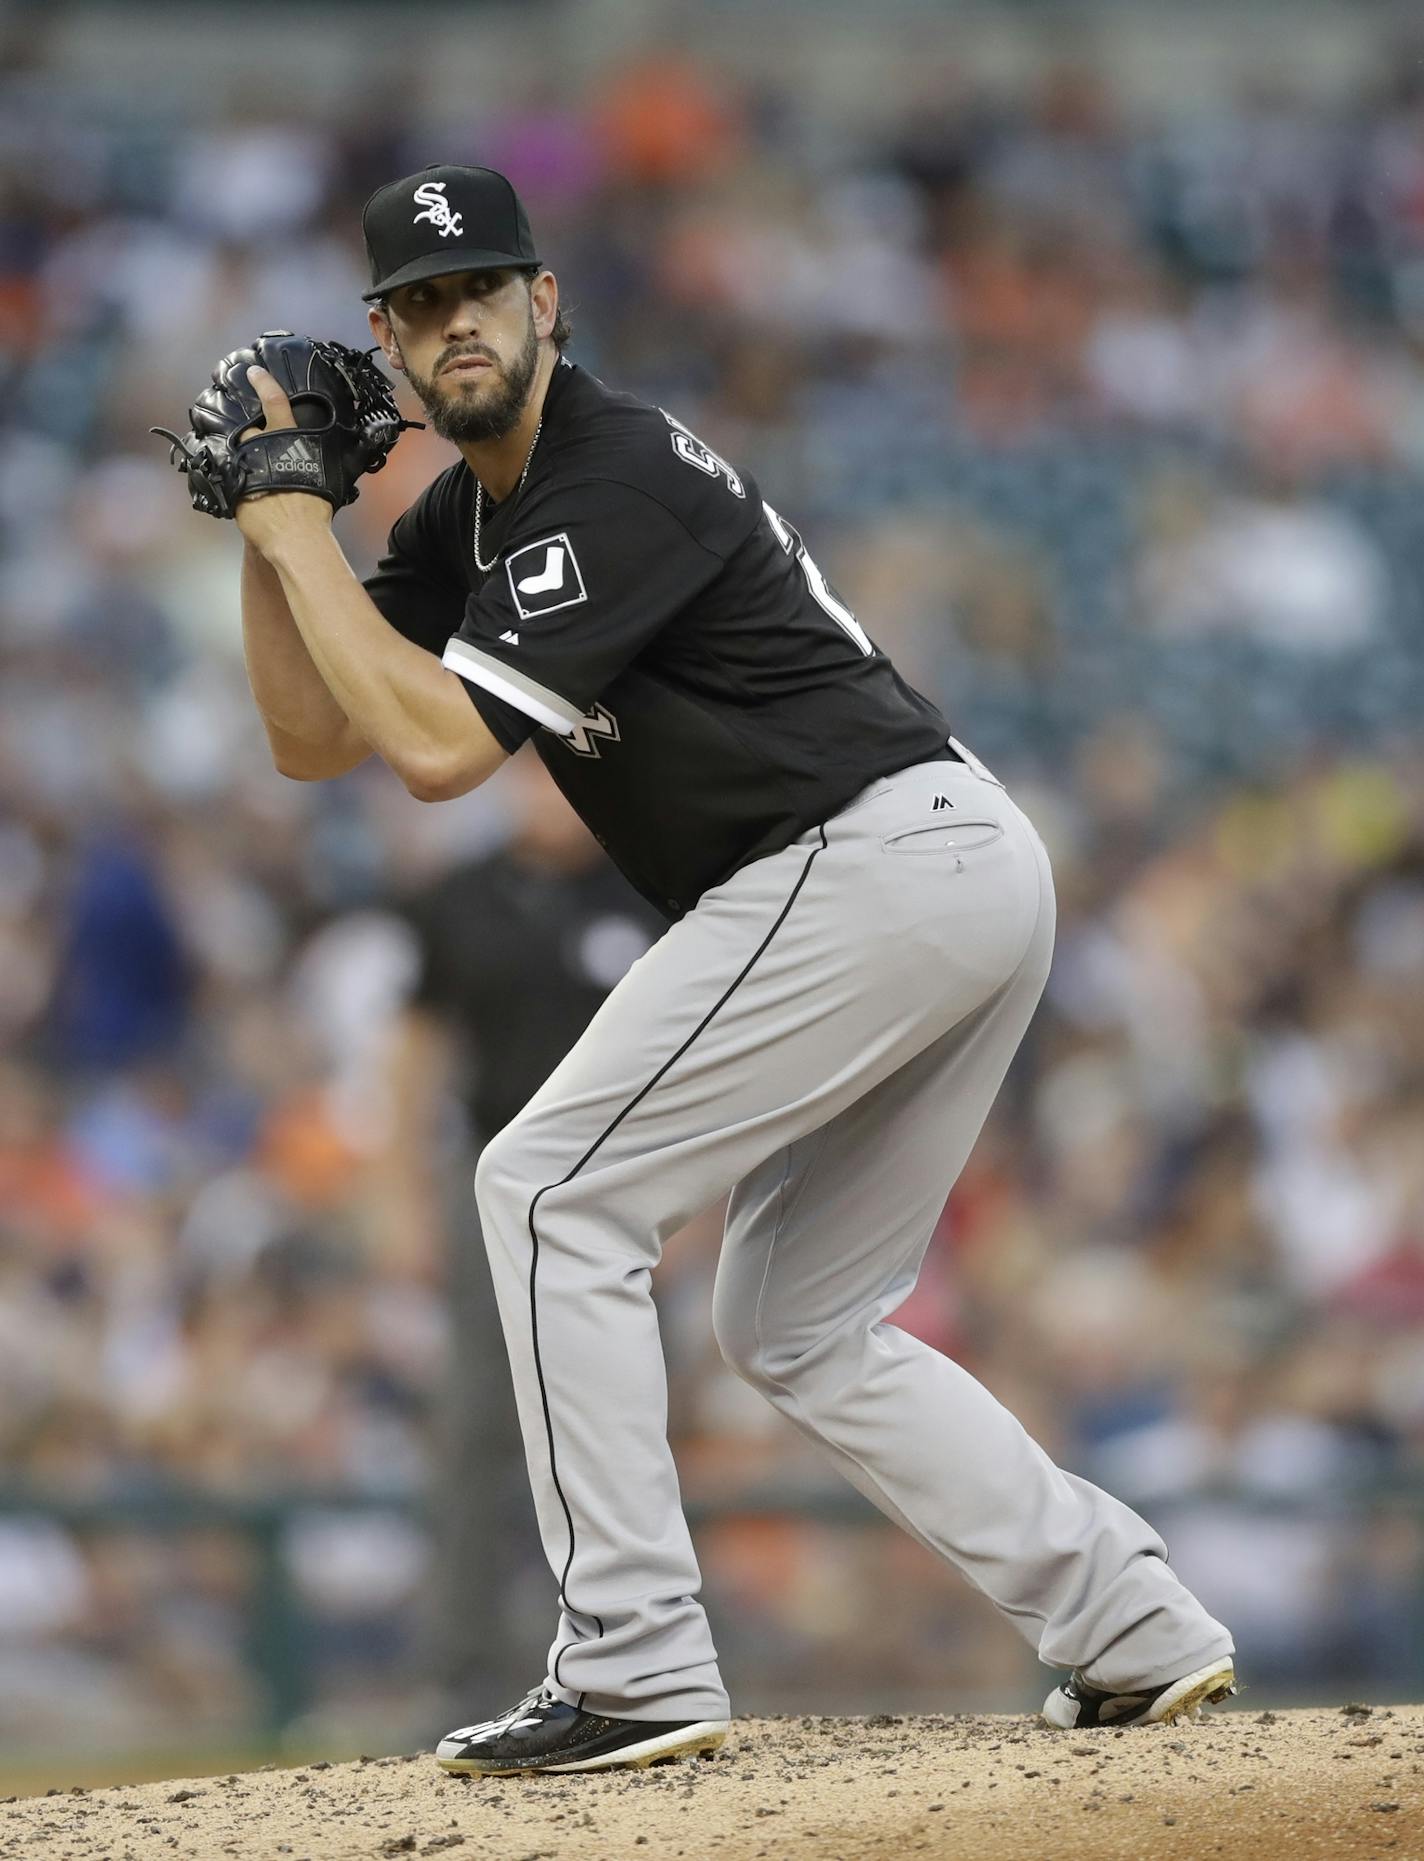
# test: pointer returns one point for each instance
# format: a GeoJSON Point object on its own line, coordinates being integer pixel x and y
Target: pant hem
{"type": "Point", "coordinates": [679, 1711]}
{"type": "Point", "coordinates": [1182, 1664]}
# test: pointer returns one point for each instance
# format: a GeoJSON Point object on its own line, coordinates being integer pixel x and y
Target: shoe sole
{"type": "Point", "coordinates": [1186, 1699]}
{"type": "Point", "coordinates": [1183, 1699]}
{"type": "Point", "coordinates": [702, 1740]}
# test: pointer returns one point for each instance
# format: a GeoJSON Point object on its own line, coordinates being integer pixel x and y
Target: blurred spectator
{"type": "Point", "coordinates": [121, 987]}
{"type": "Point", "coordinates": [1271, 565]}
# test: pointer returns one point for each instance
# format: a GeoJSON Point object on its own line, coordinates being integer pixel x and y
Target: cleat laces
{"type": "Point", "coordinates": [536, 1700]}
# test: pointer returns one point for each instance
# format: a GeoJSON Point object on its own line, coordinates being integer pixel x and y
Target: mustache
{"type": "Point", "coordinates": [455, 355]}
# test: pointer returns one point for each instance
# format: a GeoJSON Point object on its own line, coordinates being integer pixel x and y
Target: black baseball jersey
{"type": "Point", "coordinates": [700, 693]}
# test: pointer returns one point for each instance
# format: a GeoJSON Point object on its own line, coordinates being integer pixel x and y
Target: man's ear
{"type": "Point", "coordinates": [381, 329]}
{"type": "Point", "coordinates": [544, 301]}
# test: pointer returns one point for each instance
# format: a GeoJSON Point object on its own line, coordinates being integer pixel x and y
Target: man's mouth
{"type": "Point", "coordinates": [463, 364]}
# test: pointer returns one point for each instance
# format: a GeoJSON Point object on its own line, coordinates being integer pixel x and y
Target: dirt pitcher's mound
{"type": "Point", "coordinates": [1347, 1782]}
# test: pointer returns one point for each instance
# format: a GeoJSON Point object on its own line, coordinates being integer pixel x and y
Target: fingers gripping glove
{"type": "Point", "coordinates": [346, 415]}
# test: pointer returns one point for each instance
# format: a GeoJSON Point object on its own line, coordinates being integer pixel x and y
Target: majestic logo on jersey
{"type": "Point", "coordinates": [545, 576]}
{"type": "Point", "coordinates": [431, 196]}
{"type": "Point", "coordinates": [690, 449]}
{"type": "Point", "coordinates": [583, 738]}
{"type": "Point", "coordinates": [941, 801]}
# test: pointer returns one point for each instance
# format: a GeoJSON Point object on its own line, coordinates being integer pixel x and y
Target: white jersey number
{"type": "Point", "coordinates": [817, 582]}
{"type": "Point", "coordinates": [690, 449]}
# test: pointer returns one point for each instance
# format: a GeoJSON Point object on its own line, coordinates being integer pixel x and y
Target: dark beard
{"type": "Point", "coordinates": [462, 422]}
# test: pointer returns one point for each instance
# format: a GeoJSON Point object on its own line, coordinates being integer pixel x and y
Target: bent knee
{"type": "Point", "coordinates": [506, 1175]}
{"type": "Point", "coordinates": [743, 1347]}
{"type": "Point", "coordinates": [776, 1358]}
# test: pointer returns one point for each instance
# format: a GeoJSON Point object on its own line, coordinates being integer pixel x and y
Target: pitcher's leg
{"type": "Point", "coordinates": [791, 990]}
{"type": "Point", "coordinates": [586, 1358]}
{"type": "Point", "coordinates": [823, 1242]}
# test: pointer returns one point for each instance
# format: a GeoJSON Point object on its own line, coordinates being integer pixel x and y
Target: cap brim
{"type": "Point", "coordinates": [441, 265]}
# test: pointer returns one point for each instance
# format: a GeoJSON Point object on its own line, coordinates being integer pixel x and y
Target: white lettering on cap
{"type": "Point", "coordinates": [431, 196]}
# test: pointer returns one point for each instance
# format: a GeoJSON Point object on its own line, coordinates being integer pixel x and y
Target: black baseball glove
{"type": "Point", "coordinates": [346, 415]}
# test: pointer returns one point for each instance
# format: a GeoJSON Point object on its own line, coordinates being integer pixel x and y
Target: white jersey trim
{"type": "Point", "coordinates": [537, 701]}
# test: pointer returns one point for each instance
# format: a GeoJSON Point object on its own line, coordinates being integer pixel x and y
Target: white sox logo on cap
{"type": "Point", "coordinates": [431, 196]}
{"type": "Point", "coordinates": [478, 216]}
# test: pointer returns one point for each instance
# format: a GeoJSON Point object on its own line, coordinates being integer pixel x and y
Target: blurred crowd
{"type": "Point", "coordinates": [1109, 429]}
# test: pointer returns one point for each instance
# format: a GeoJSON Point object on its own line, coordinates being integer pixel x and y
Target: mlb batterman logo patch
{"type": "Point", "coordinates": [544, 577]}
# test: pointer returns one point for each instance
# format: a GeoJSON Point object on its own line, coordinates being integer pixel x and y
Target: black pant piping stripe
{"type": "Point", "coordinates": [601, 1139]}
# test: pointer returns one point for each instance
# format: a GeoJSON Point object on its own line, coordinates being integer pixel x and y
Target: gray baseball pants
{"type": "Point", "coordinates": [823, 1035]}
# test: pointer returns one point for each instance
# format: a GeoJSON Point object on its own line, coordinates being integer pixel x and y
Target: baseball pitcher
{"type": "Point", "coordinates": [860, 923]}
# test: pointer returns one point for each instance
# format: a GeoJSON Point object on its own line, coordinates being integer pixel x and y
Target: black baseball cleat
{"type": "Point", "coordinates": [1076, 1704]}
{"type": "Point", "coordinates": [541, 1733]}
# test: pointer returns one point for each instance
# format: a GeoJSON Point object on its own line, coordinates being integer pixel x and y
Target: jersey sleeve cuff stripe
{"type": "Point", "coordinates": [535, 700]}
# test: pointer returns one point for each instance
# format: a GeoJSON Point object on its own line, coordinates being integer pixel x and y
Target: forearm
{"type": "Point", "coordinates": [405, 704]}
{"type": "Point", "coordinates": [292, 697]}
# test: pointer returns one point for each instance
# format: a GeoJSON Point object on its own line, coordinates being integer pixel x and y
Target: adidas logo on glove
{"type": "Point", "coordinates": [299, 457]}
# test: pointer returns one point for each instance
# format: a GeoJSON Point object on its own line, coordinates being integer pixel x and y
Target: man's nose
{"type": "Point", "coordinates": [463, 320]}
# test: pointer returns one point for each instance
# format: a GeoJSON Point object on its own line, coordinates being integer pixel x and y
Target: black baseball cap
{"type": "Point", "coordinates": [442, 220]}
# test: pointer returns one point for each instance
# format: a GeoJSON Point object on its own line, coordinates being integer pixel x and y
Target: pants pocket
{"type": "Point", "coordinates": [944, 837]}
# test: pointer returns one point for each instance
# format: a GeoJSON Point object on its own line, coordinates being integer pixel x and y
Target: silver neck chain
{"type": "Point", "coordinates": [485, 567]}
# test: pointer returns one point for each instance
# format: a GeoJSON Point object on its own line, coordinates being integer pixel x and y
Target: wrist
{"type": "Point", "coordinates": [305, 531]}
